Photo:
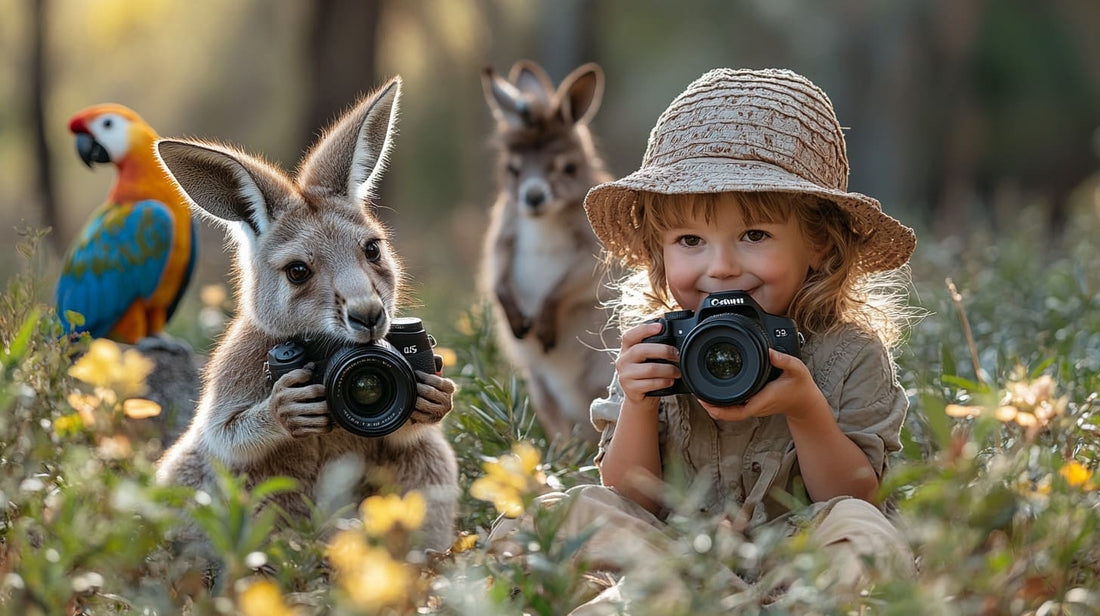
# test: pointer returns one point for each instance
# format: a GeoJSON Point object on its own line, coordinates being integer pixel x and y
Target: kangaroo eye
{"type": "Point", "coordinates": [570, 168]}
{"type": "Point", "coordinates": [514, 170]}
{"type": "Point", "coordinates": [298, 272]}
{"type": "Point", "coordinates": [373, 251]}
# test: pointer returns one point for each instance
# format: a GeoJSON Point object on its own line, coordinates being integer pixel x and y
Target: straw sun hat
{"type": "Point", "coordinates": [751, 131]}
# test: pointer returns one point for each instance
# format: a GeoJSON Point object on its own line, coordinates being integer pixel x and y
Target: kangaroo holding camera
{"type": "Point", "coordinates": [541, 260]}
{"type": "Point", "coordinates": [315, 367]}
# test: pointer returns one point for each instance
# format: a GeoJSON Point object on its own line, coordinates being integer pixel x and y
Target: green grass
{"type": "Point", "coordinates": [997, 512]}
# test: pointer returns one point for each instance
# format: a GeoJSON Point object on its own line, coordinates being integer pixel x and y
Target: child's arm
{"type": "Point", "coordinates": [633, 455]}
{"type": "Point", "coordinates": [830, 462]}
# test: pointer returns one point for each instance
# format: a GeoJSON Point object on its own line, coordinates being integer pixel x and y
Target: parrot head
{"type": "Point", "coordinates": [107, 133]}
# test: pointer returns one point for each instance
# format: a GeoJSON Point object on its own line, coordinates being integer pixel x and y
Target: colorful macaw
{"type": "Point", "coordinates": [128, 268]}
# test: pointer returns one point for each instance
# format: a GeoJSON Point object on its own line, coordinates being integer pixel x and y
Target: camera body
{"type": "Point", "coordinates": [724, 347]}
{"type": "Point", "coordinates": [370, 389]}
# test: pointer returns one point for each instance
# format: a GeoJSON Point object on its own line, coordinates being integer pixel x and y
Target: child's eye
{"type": "Point", "coordinates": [755, 235]}
{"type": "Point", "coordinates": [689, 241]}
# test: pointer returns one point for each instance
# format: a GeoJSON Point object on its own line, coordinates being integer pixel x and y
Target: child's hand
{"type": "Point", "coordinates": [790, 394]}
{"type": "Point", "coordinates": [638, 377]}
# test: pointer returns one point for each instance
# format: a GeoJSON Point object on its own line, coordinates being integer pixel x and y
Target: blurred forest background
{"type": "Point", "coordinates": [961, 112]}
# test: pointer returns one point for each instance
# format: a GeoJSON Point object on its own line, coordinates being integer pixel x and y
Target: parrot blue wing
{"type": "Point", "coordinates": [118, 258]}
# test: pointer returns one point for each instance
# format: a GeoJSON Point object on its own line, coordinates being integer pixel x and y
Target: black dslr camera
{"type": "Point", "coordinates": [370, 388]}
{"type": "Point", "coordinates": [724, 347]}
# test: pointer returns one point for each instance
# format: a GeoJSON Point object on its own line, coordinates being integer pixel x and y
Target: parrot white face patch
{"type": "Point", "coordinates": [111, 131]}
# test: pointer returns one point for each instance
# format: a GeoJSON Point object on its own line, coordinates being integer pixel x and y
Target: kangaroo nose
{"type": "Point", "coordinates": [366, 316]}
{"type": "Point", "coordinates": [534, 197]}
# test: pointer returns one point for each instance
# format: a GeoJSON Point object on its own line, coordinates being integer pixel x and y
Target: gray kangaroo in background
{"type": "Point", "coordinates": [541, 261]}
{"type": "Point", "coordinates": [311, 259]}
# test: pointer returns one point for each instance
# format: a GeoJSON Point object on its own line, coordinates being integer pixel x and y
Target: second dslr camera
{"type": "Point", "coordinates": [724, 347]}
{"type": "Point", "coordinates": [370, 388]}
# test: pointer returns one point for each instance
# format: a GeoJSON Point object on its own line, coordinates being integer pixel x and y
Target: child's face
{"type": "Point", "coordinates": [770, 261]}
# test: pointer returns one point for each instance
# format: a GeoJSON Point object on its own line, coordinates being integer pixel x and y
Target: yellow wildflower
{"type": "Point", "coordinates": [116, 447]}
{"type": "Point", "coordinates": [1077, 475]}
{"type": "Point", "coordinates": [1031, 404]}
{"type": "Point", "coordinates": [509, 478]}
{"type": "Point", "coordinates": [450, 358]}
{"type": "Point", "coordinates": [85, 405]}
{"type": "Point", "coordinates": [382, 513]}
{"type": "Point", "coordinates": [1026, 420]}
{"type": "Point", "coordinates": [464, 542]}
{"type": "Point", "coordinates": [1006, 413]}
{"type": "Point", "coordinates": [346, 549]}
{"type": "Point", "coordinates": [1034, 399]}
{"type": "Point", "coordinates": [1028, 394]}
{"type": "Point", "coordinates": [1003, 413]}
{"type": "Point", "coordinates": [213, 295]}
{"type": "Point", "coordinates": [378, 581]}
{"type": "Point", "coordinates": [140, 408]}
{"type": "Point", "coordinates": [960, 411]}
{"type": "Point", "coordinates": [106, 365]}
{"type": "Point", "coordinates": [263, 598]}
{"type": "Point", "coordinates": [68, 424]}
{"type": "Point", "coordinates": [369, 576]}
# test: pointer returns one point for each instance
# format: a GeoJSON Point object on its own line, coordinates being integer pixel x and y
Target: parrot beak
{"type": "Point", "coordinates": [90, 150]}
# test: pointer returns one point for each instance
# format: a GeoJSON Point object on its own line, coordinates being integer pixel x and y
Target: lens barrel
{"type": "Point", "coordinates": [724, 359]}
{"type": "Point", "coordinates": [370, 390]}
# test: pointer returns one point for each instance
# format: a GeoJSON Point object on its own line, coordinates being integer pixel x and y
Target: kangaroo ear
{"type": "Point", "coordinates": [227, 185]}
{"type": "Point", "coordinates": [350, 158]}
{"type": "Point", "coordinates": [530, 79]}
{"type": "Point", "coordinates": [580, 93]}
{"type": "Point", "coordinates": [505, 101]}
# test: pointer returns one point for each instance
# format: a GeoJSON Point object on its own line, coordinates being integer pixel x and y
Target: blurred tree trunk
{"type": "Point", "coordinates": [960, 125]}
{"type": "Point", "coordinates": [567, 36]}
{"type": "Point", "coordinates": [44, 170]}
{"type": "Point", "coordinates": [340, 63]}
{"type": "Point", "coordinates": [876, 99]}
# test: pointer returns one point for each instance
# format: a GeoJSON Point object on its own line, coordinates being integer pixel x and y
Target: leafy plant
{"type": "Point", "coordinates": [996, 486]}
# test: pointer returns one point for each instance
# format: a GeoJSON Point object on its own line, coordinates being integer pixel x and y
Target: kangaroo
{"type": "Point", "coordinates": [540, 260]}
{"type": "Point", "coordinates": [311, 259]}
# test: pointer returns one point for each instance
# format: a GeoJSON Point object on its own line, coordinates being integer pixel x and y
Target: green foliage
{"type": "Point", "coordinates": [999, 504]}
{"type": "Point", "coordinates": [78, 523]}
{"type": "Point", "coordinates": [237, 524]}
{"type": "Point", "coordinates": [492, 413]}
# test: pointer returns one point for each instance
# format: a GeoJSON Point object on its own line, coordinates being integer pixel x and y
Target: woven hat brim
{"type": "Point", "coordinates": [612, 207]}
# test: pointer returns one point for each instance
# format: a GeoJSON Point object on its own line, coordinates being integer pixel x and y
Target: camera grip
{"type": "Point", "coordinates": [281, 359]}
{"type": "Point", "coordinates": [667, 391]}
{"type": "Point", "coordinates": [662, 338]}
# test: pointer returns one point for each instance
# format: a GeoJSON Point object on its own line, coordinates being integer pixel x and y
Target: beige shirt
{"type": "Point", "coordinates": [744, 460]}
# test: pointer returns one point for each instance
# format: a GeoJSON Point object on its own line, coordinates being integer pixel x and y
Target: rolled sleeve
{"type": "Point", "coordinates": [604, 413]}
{"type": "Point", "coordinates": [872, 404]}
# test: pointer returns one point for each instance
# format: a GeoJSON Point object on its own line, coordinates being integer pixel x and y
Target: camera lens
{"type": "Point", "coordinates": [723, 360]}
{"type": "Point", "coordinates": [365, 390]}
{"type": "Point", "coordinates": [370, 389]}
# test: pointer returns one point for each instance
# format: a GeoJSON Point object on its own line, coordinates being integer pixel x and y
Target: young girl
{"type": "Point", "coordinates": [743, 187]}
